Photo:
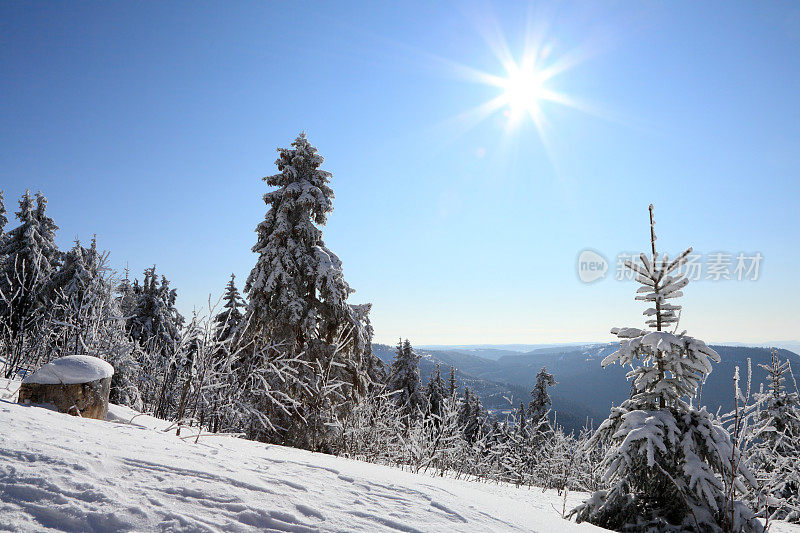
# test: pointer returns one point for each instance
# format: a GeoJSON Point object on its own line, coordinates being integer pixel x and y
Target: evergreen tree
{"type": "Point", "coordinates": [155, 322]}
{"type": "Point", "coordinates": [669, 466]}
{"type": "Point", "coordinates": [298, 295]}
{"type": "Point", "coordinates": [471, 415]}
{"type": "Point", "coordinates": [540, 403]}
{"type": "Point", "coordinates": [230, 318]}
{"type": "Point", "coordinates": [452, 386]}
{"type": "Point", "coordinates": [378, 372]}
{"type": "Point", "coordinates": [126, 294]}
{"type": "Point", "coordinates": [780, 409]}
{"type": "Point", "coordinates": [777, 452]}
{"type": "Point", "coordinates": [84, 316]}
{"type": "Point", "coordinates": [85, 305]}
{"type": "Point", "coordinates": [3, 218]}
{"type": "Point", "coordinates": [29, 257]}
{"type": "Point", "coordinates": [297, 290]}
{"type": "Point", "coordinates": [405, 382]}
{"type": "Point", "coordinates": [74, 290]}
{"type": "Point", "coordinates": [466, 406]}
{"type": "Point", "coordinates": [435, 392]}
{"type": "Point", "coordinates": [522, 417]}
{"type": "Point", "coordinates": [192, 340]}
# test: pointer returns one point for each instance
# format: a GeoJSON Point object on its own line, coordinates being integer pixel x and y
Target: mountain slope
{"type": "Point", "coordinates": [494, 395]}
{"type": "Point", "coordinates": [585, 389]}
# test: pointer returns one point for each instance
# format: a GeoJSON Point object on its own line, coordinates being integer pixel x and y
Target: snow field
{"type": "Point", "coordinates": [62, 473]}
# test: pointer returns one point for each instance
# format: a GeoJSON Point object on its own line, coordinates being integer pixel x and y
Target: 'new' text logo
{"type": "Point", "coordinates": [591, 266]}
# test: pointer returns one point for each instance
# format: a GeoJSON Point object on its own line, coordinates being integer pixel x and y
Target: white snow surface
{"type": "Point", "coordinates": [71, 369]}
{"type": "Point", "coordinates": [63, 473]}
{"type": "Point", "coordinates": [9, 390]}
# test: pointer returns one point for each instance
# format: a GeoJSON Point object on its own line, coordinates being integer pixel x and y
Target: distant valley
{"type": "Point", "coordinates": [585, 390]}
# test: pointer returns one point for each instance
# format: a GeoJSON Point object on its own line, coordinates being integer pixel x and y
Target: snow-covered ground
{"type": "Point", "coordinates": [59, 472]}
{"type": "Point", "coordinates": [65, 473]}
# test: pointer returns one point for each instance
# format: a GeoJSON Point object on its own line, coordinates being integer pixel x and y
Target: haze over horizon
{"type": "Point", "coordinates": [476, 149]}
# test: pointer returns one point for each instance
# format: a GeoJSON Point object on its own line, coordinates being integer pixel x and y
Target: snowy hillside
{"type": "Point", "coordinates": [69, 474]}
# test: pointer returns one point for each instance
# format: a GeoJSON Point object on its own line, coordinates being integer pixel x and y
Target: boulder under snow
{"type": "Point", "coordinates": [75, 384]}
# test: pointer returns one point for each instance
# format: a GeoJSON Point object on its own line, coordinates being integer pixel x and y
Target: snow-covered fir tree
{"type": "Point", "coordinates": [84, 317]}
{"type": "Point", "coordinates": [101, 330]}
{"type": "Point", "coordinates": [540, 397]}
{"type": "Point", "coordinates": [73, 291]}
{"type": "Point", "coordinates": [230, 318]}
{"type": "Point", "coordinates": [668, 466]}
{"type": "Point", "coordinates": [126, 294]}
{"type": "Point", "coordinates": [155, 324]}
{"type": "Point", "coordinates": [522, 417]}
{"type": "Point", "coordinates": [435, 392]}
{"type": "Point", "coordinates": [154, 321]}
{"type": "Point", "coordinates": [777, 447]}
{"type": "Point", "coordinates": [28, 258]}
{"type": "Point", "coordinates": [472, 416]}
{"type": "Point", "coordinates": [465, 411]}
{"type": "Point", "coordinates": [405, 382]}
{"type": "Point", "coordinates": [297, 295]}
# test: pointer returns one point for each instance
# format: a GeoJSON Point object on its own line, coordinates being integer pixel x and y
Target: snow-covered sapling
{"type": "Point", "coordinates": [666, 460]}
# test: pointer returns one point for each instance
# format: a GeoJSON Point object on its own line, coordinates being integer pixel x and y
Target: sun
{"type": "Point", "coordinates": [529, 85]}
{"type": "Point", "coordinates": [523, 91]}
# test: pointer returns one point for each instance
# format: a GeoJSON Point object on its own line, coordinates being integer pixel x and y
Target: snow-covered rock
{"type": "Point", "coordinates": [76, 384]}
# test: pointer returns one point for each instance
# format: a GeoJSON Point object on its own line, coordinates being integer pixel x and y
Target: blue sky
{"type": "Point", "coordinates": [151, 124]}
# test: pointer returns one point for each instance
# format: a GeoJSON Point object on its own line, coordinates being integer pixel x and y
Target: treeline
{"type": "Point", "coordinates": [444, 429]}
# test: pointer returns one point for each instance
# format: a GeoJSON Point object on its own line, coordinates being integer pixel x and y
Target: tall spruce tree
{"type": "Point", "coordinates": [297, 295]}
{"type": "Point", "coordinates": [668, 465]}
{"type": "Point", "coordinates": [28, 258]}
{"type": "Point", "coordinates": [522, 417]}
{"type": "Point", "coordinates": [296, 290]}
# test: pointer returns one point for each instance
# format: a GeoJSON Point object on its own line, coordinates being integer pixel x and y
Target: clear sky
{"type": "Point", "coordinates": [151, 124]}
